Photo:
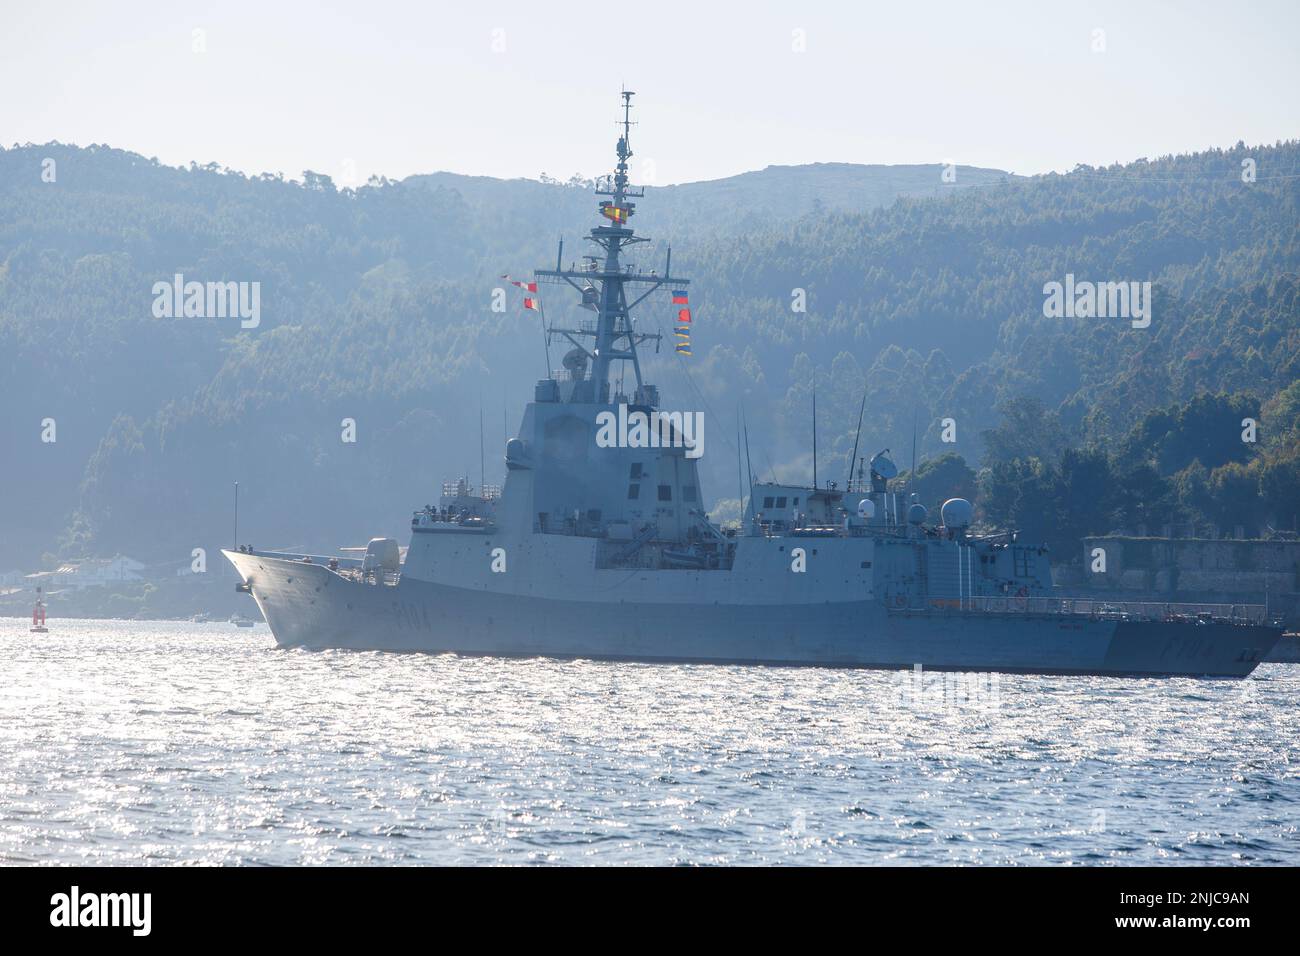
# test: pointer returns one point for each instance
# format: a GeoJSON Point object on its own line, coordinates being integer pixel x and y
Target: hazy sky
{"type": "Point", "coordinates": [517, 89]}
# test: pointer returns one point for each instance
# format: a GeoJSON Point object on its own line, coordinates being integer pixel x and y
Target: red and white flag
{"type": "Point", "coordinates": [526, 286]}
{"type": "Point", "coordinates": [531, 303]}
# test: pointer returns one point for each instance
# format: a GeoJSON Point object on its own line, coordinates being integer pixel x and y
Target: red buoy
{"type": "Point", "coordinates": [38, 615]}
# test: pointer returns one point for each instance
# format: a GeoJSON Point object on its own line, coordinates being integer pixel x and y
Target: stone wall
{"type": "Point", "coordinates": [1194, 564]}
{"type": "Point", "coordinates": [1195, 570]}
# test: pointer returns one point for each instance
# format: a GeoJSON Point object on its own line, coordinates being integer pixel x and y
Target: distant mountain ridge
{"type": "Point", "coordinates": [380, 304]}
{"type": "Point", "coordinates": [775, 192]}
{"type": "Point", "coordinates": [791, 192]}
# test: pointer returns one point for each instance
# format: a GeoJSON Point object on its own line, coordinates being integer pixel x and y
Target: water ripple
{"type": "Point", "coordinates": [126, 742]}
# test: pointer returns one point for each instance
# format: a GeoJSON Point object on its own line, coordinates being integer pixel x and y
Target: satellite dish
{"type": "Point", "coordinates": [866, 509]}
{"type": "Point", "coordinates": [882, 466]}
{"type": "Point", "coordinates": [916, 514]}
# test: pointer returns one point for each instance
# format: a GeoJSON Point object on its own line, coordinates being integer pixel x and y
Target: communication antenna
{"type": "Point", "coordinates": [749, 466]}
{"type": "Point", "coordinates": [740, 480]}
{"type": "Point", "coordinates": [911, 475]}
{"type": "Point", "coordinates": [546, 332]}
{"type": "Point", "coordinates": [236, 545]}
{"type": "Point", "coordinates": [853, 457]}
{"type": "Point", "coordinates": [814, 429]}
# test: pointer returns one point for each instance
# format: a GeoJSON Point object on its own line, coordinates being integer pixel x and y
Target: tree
{"type": "Point", "coordinates": [1279, 485]}
{"type": "Point", "coordinates": [1234, 497]}
{"type": "Point", "coordinates": [1206, 429]}
{"type": "Point", "coordinates": [317, 182]}
{"type": "Point", "coordinates": [1086, 496]}
{"type": "Point", "coordinates": [939, 479]}
{"type": "Point", "coordinates": [1146, 500]}
{"type": "Point", "coordinates": [1028, 430]}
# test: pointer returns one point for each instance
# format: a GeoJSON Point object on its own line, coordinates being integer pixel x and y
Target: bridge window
{"type": "Point", "coordinates": [636, 470]}
{"type": "Point", "coordinates": [633, 492]}
{"type": "Point", "coordinates": [665, 492]}
{"type": "Point", "coordinates": [780, 502]}
{"type": "Point", "coordinates": [767, 503]}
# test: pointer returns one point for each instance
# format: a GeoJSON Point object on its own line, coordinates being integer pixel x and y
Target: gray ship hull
{"type": "Point", "coordinates": [307, 605]}
{"type": "Point", "coordinates": [1286, 651]}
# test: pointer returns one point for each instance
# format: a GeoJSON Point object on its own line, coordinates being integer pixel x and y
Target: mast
{"type": "Point", "coordinates": [814, 431]}
{"type": "Point", "coordinates": [911, 475]}
{"type": "Point", "coordinates": [609, 287]}
{"type": "Point", "coordinates": [740, 481]}
{"type": "Point", "coordinates": [546, 335]}
{"type": "Point", "coordinates": [749, 466]}
{"type": "Point", "coordinates": [853, 457]}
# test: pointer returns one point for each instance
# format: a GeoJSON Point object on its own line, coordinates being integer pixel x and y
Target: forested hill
{"type": "Point", "coordinates": [377, 305]}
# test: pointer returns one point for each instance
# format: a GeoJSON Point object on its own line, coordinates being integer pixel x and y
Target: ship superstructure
{"type": "Point", "coordinates": [598, 544]}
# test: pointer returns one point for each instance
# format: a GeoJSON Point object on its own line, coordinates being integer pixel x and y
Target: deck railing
{"type": "Point", "coordinates": [461, 488]}
{"type": "Point", "coordinates": [1091, 607]}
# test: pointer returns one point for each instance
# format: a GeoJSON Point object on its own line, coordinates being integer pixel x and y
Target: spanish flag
{"type": "Point", "coordinates": [614, 213]}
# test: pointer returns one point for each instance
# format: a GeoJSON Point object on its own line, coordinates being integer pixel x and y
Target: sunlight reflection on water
{"type": "Point", "coordinates": [164, 742]}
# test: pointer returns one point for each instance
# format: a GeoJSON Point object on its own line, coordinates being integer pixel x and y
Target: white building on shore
{"type": "Point", "coordinates": [90, 573]}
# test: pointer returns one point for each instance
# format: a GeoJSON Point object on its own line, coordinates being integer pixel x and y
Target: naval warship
{"type": "Point", "coordinates": [601, 548]}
